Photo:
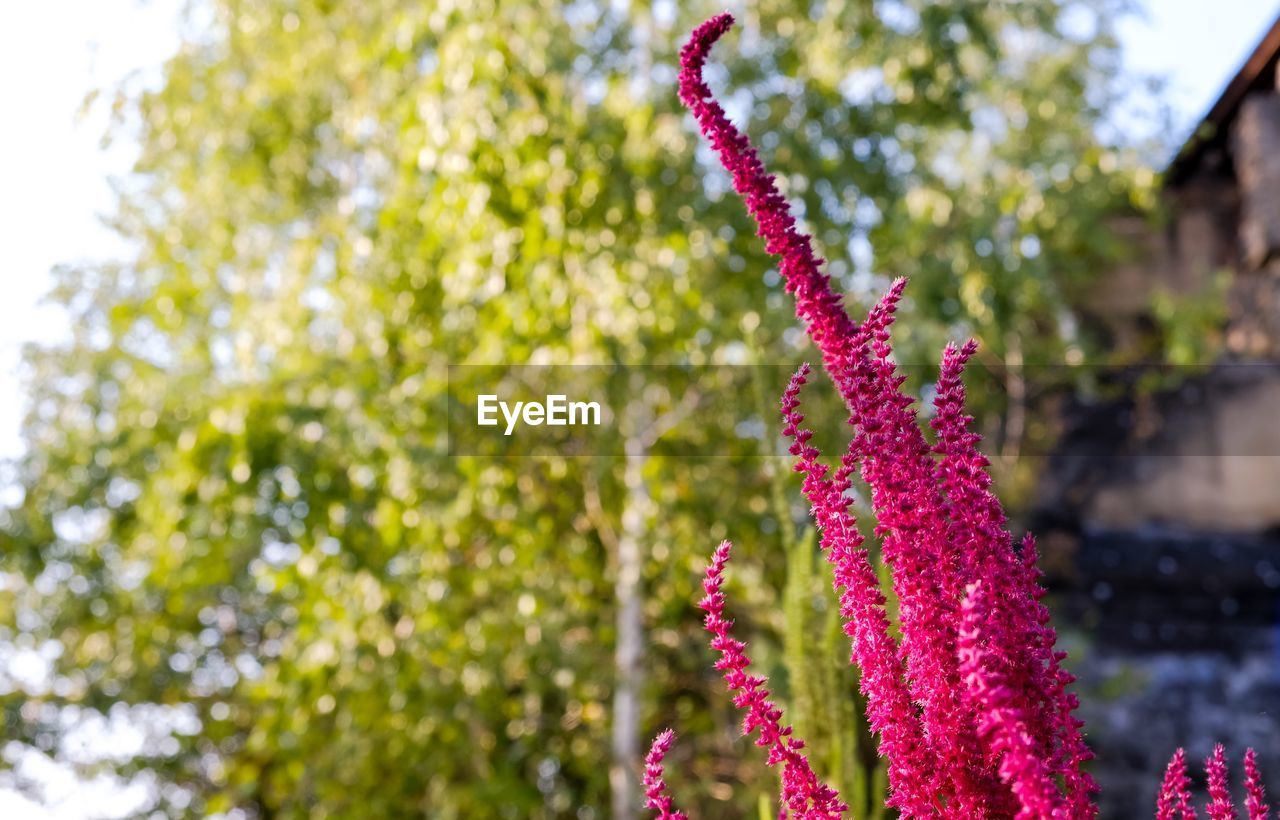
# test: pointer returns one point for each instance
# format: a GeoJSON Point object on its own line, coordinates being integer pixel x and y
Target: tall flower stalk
{"type": "Point", "coordinates": [1175, 802]}
{"type": "Point", "coordinates": [971, 707]}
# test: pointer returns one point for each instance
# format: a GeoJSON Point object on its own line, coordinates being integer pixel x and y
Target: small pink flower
{"type": "Point", "coordinates": [1175, 791]}
{"type": "Point", "coordinates": [803, 793]}
{"type": "Point", "coordinates": [1003, 718]}
{"type": "Point", "coordinates": [1255, 795]}
{"type": "Point", "coordinates": [655, 788]}
{"type": "Point", "coordinates": [1220, 806]}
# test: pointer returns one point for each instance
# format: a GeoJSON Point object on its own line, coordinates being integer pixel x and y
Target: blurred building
{"type": "Point", "coordinates": [1160, 508]}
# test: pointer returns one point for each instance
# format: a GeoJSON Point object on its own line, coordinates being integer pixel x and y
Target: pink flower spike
{"type": "Point", "coordinates": [924, 561]}
{"type": "Point", "coordinates": [1001, 720]}
{"type": "Point", "coordinates": [1255, 796]}
{"type": "Point", "coordinates": [1220, 806]}
{"type": "Point", "coordinates": [1175, 792]}
{"type": "Point", "coordinates": [802, 792]}
{"type": "Point", "coordinates": [978, 526]}
{"type": "Point", "coordinates": [890, 712]}
{"type": "Point", "coordinates": [655, 788]}
{"type": "Point", "coordinates": [903, 480]}
{"type": "Point", "coordinates": [822, 310]}
{"type": "Point", "coordinates": [972, 708]}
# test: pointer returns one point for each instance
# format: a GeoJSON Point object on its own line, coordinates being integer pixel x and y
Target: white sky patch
{"type": "Point", "coordinates": [1198, 50]}
{"type": "Point", "coordinates": [53, 174]}
{"type": "Point", "coordinates": [61, 794]}
{"type": "Point", "coordinates": [53, 190]}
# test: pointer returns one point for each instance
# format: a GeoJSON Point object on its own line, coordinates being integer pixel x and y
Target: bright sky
{"type": "Point", "coordinates": [53, 177]}
{"type": "Point", "coordinates": [1198, 45]}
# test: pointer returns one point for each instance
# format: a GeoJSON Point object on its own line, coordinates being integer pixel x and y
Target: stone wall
{"type": "Point", "coordinates": [1256, 136]}
{"type": "Point", "coordinates": [1176, 643]}
{"type": "Point", "coordinates": [1159, 517]}
{"type": "Point", "coordinates": [1255, 295]}
{"type": "Point", "coordinates": [1204, 455]}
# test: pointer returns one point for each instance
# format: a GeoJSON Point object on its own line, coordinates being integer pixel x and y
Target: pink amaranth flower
{"type": "Point", "coordinates": [802, 792]}
{"type": "Point", "coordinates": [1175, 791]}
{"type": "Point", "coordinates": [901, 478]}
{"type": "Point", "coordinates": [655, 788]}
{"type": "Point", "coordinates": [1220, 806]}
{"type": "Point", "coordinates": [1255, 795]}
{"type": "Point", "coordinates": [979, 724]}
{"type": "Point", "coordinates": [971, 709]}
{"type": "Point", "coordinates": [912, 523]}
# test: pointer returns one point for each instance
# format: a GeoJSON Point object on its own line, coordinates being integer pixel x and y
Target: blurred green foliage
{"type": "Point", "coordinates": [237, 499]}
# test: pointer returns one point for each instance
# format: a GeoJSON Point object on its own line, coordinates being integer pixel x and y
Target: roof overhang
{"type": "Point", "coordinates": [1257, 73]}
